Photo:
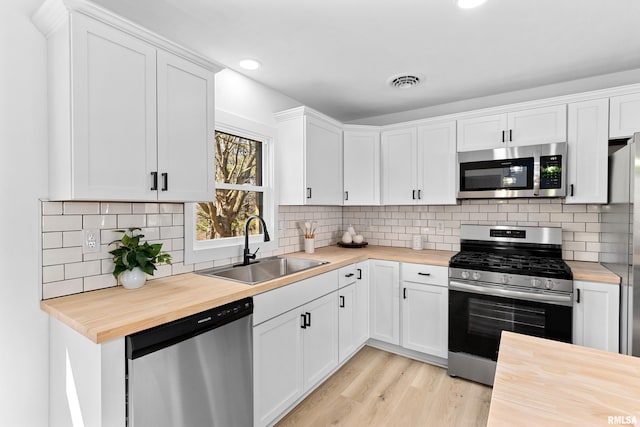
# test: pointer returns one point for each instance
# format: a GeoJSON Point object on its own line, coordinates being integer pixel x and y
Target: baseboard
{"type": "Point", "coordinates": [411, 354]}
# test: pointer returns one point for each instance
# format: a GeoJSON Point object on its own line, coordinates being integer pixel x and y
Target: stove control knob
{"type": "Point", "coordinates": [504, 279]}
{"type": "Point", "coordinates": [535, 283]}
{"type": "Point", "coordinates": [465, 274]}
{"type": "Point", "coordinates": [548, 284]}
{"type": "Point", "coordinates": [476, 275]}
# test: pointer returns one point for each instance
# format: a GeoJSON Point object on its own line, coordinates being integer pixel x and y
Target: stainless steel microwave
{"type": "Point", "coordinates": [528, 171]}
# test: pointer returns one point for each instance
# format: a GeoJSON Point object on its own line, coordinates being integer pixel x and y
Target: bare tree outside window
{"type": "Point", "coordinates": [239, 191]}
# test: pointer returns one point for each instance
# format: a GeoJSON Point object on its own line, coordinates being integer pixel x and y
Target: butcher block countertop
{"type": "Point", "coordinates": [540, 382]}
{"type": "Point", "coordinates": [112, 313]}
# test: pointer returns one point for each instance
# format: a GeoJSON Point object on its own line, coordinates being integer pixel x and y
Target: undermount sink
{"type": "Point", "coordinates": [262, 270]}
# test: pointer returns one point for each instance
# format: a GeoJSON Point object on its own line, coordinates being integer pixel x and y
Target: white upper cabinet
{"type": "Point", "coordinates": [309, 158]}
{"type": "Point", "coordinates": [128, 121]}
{"type": "Point", "coordinates": [526, 127]}
{"type": "Point", "coordinates": [361, 148]}
{"type": "Point", "coordinates": [399, 166]}
{"type": "Point", "coordinates": [437, 164]}
{"type": "Point", "coordinates": [185, 130]}
{"type": "Point", "coordinates": [588, 161]}
{"type": "Point", "coordinates": [419, 165]}
{"type": "Point", "coordinates": [625, 115]}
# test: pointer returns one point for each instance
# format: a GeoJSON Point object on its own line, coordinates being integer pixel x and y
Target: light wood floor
{"type": "Point", "coordinates": [376, 388]}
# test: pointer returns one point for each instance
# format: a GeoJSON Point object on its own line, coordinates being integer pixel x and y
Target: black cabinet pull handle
{"type": "Point", "coordinates": [503, 137]}
{"type": "Point", "coordinates": [304, 321]}
{"type": "Point", "coordinates": [419, 194]}
{"type": "Point", "coordinates": [165, 181]}
{"type": "Point", "coordinates": [154, 187]}
{"type": "Point", "coordinates": [359, 274]}
{"type": "Point", "coordinates": [510, 134]}
{"type": "Point", "coordinates": [578, 299]}
{"type": "Point", "coordinates": [349, 275]}
{"type": "Point", "coordinates": [346, 195]}
{"type": "Point", "coordinates": [308, 192]}
{"type": "Point", "coordinates": [571, 190]}
{"type": "Point", "coordinates": [424, 274]}
{"type": "Point", "coordinates": [308, 319]}
{"type": "Point", "coordinates": [413, 194]}
{"type": "Point", "coordinates": [404, 293]}
{"type": "Point", "coordinates": [341, 301]}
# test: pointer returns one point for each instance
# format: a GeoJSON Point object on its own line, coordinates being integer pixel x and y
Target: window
{"type": "Point", "coordinates": [214, 229]}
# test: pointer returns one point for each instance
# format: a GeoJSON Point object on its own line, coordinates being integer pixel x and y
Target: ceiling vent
{"type": "Point", "coordinates": [404, 81]}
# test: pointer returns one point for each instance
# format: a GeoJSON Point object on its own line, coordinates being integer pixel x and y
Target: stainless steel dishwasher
{"type": "Point", "coordinates": [193, 372]}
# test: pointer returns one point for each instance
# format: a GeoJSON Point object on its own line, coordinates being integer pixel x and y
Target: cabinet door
{"type": "Point", "coordinates": [399, 167]}
{"type": "Point", "coordinates": [480, 133]}
{"type": "Point", "coordinates": [596, 315]}
{"type": "Point", "coordinates": [320, 339]}
{"type": "Point", "coordinates": [588, 157]}
{"type": "Point", "coordinates": [361, 328]}
{"type": "Point", "coordinates": [537, 126]}
{"type": "Point", "coordinates": [625, 115]}
{"type": "Point", "coordinates": [384, 307]}
{"type": "Point", "coordinates": [361, 168]}
{"type": "Point", "coordinates": [346, 321]}
{"type": "Point", "coordinates": [114, 113]}
{"type": "Point", "coordinates": [437, 164]}
{"type": "Point", "coordinates": [424, 318]}
{"type": "Point", "coordinates": [323, 163]}
{"type": "Point", "coordinates": [277, 366]}
{"type": "Point", "coordinates": [185, 130]}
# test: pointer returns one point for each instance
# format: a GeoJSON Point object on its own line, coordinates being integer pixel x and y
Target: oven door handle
{"type": "Point", "coordinates": [509, 293]}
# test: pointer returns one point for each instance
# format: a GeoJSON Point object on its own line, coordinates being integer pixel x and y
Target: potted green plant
{"type": "Point", "coordinates": [133, 260]}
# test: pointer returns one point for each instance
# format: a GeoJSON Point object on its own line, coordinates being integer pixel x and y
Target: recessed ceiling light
{"type": "Point", "coordinates": [404, 81]}
{"type": "Point", "coordinates": [250, 64]}
{"type": "Point", "coordinates": [469, 4]}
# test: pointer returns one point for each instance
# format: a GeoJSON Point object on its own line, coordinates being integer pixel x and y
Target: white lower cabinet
{"type": "Point", "coordinates": [292, 353]}
{"type": "Point", "coordinates": [425, 309]}
{"type": "Point", "coordinates": [353, 313]}
{"type": "Point", "coordinates": [596, 315]}
{"type": "Point", "coordinates": [384, 304]}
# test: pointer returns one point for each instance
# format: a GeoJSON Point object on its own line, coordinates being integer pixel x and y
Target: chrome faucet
{"type": "Point", "coordinates": [248, 255]}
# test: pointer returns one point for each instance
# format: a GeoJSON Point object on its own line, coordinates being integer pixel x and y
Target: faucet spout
{"type": "Point", "coordinates": [247, 254]}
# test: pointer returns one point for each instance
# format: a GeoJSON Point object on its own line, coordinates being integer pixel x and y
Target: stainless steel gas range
{"type": "Point", "coordinates": [505, 278]}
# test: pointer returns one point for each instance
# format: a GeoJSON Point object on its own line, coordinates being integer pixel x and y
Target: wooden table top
{"type": "Point", "coordinates": [111, 313]}
{"type": "Point", "coordinates": [547, 383]}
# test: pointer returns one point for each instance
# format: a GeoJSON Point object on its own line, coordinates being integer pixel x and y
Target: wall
{"type": "Point", "coordinates": [23, 170]}
{"type": "Point", "coordinates": [67, 270]}
{"type": "Point", "coordinates": [439, 226]}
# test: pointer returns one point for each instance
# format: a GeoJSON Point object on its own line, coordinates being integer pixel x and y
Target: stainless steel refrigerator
{"type": "Point", "coordinates": [620, 238]}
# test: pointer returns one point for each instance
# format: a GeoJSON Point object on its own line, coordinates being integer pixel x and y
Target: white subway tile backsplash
{"type": "Point", "coordinates": [61, 256]}
{"type": "Point", "coordinates": [173, 208]}
{"type": "Point", "coordinates": [132, 221]}
{"type": "Point", "coordinates": [72, 238]}
{"type": "Point", "coordinates": [99, 282]}
{"type": "Point", "coordinates": [115, 208]}
{"type": "Point", "coordinates": [52, 273]}
{"type": "Point", "coordinates": [51, 208]}
{"type": "Point", "coordinates": [52, 240]}
{"type": "Point", "coordinates": [81, 269]}
{"type": "Point", "coordinates": [63, 287]}
{"type": "Point", "coordinates": [145, 208]}
{"type": "Point", "coordinates": [160, 220]}
{"type": "Point", "coordinates": [99, 221]}
{"type": "Point", "coordinates": [61, 223]}
{"type": "Point", "coordinates": [81, 208]}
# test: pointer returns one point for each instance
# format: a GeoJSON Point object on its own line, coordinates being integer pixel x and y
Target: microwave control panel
{"type": "Point", "coordinates": [550, 172]}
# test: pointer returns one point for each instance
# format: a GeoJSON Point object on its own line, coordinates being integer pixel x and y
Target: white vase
{"type": "Point", "coordinates": [309, 245]}
{"type": "Point", "coordinates": [133, 279]}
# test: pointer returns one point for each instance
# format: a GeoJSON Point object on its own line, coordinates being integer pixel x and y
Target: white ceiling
{"type": "Point", "coordinates": [337, 55]}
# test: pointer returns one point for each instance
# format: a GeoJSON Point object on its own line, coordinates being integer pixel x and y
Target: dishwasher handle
{"type": "Point", "coordinates": [145, 342]}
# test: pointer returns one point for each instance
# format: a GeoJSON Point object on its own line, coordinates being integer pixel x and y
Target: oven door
{"type": "Point", "coordinates": [479, 313]}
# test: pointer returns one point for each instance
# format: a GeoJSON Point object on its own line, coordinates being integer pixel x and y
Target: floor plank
{"type": "Point", "coordinates": [377, 388]}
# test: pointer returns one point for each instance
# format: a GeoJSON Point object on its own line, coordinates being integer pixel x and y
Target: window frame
{"type": "Point", "coordinates": [198, 251]}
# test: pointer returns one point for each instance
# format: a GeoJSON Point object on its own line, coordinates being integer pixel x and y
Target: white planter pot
{"type": "Point", "coordinates": [133, 279]}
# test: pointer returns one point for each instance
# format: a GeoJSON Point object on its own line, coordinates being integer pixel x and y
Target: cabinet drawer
{"type": "Point", "coordinates": [422, 273]}
{"type": "Point", "coordinates": [277, 301]}
{"type": "Point", "coordinates": [347, 275]}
